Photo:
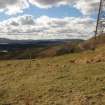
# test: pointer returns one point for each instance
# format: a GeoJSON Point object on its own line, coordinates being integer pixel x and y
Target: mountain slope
{"type": "Point", "coordinates": [54, 81]}
{"type": "Point", "coordinates": [59, 80]}
{"type": "Point", "coordinates": [93, 50]}
{"type": "Point", "coordinates": [93, 43]}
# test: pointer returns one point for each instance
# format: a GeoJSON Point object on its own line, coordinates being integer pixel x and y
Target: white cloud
{"type": "Point", "coordinates": [85, 6]}
{"type": "Point", "coordinates": [17, 6]}
{"type": "Point", "coordinates": [44, 27]}
{"type": "Point", "coordinates": [48, 3]}
{"type": "Point", "coordinates": [13, 6]}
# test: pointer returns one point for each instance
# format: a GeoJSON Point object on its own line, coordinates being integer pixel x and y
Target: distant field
{"type": "Point", "coordinates": [53, 81]}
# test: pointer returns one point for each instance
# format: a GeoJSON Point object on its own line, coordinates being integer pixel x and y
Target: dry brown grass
{"type": "Point", "coordinates": [52, 81]}
{"type": "Point", "coordinates": [73, 79]}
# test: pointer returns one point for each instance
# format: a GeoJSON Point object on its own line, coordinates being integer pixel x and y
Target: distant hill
{"type": "Point", "coordinates": [23, 49]}
{"type": "Point", "coordinates": [10, 41]}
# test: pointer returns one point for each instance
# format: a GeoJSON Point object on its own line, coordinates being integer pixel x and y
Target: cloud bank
{"type": "Point", "coordinates": [11, 7]}
{"type": "Point", "coordinates": [17, 6]}
{"type": "Point", "coordinates": [44, 27]}
{"type": "Point", "coordinates": [28, 27]}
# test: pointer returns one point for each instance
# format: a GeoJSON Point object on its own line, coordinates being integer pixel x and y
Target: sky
{"type": "Point", "coordinates": [48, 19]}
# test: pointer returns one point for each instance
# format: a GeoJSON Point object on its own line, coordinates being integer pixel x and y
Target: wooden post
{"type": "Point", "coordinates": [98, 19]}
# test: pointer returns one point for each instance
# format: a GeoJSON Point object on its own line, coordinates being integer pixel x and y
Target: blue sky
{"type": "Point", "coordinates": [47, 19]}
{"type": "Point", "coordinates": [57, 12]}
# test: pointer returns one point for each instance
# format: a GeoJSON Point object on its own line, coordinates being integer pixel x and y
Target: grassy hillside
{"type": "Point", "coordinates": [54, 81]}
{"type": "Point", "coordinates": [92, 42]}
{"type": "Point", "coordinates": [70, 79]}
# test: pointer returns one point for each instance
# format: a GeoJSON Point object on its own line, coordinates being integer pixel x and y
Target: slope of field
{"type": "Point", "coordinates": [53, 81]}
{"type": "Point", "coordinates": [92, 42]}
{"type": "Point", "coordinates": [70, 79]}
